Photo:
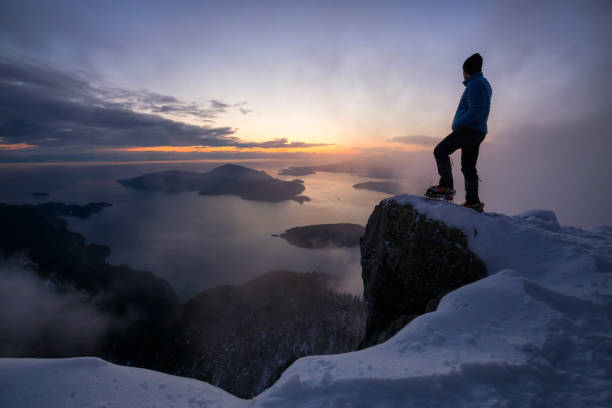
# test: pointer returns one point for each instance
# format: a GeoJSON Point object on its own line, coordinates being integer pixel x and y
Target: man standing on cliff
{"type": "Point", "coordinates": [469, 130]}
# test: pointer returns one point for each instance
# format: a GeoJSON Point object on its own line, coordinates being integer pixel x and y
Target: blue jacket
{"type": "Point", "coordinates": [475, 103]}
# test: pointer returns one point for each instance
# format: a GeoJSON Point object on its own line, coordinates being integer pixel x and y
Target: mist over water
{"type": "Point", "coordinates": [197, 242]}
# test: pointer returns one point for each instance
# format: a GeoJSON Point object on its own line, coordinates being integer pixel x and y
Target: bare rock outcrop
{"type": "Point", "coordinates": [409, 262]}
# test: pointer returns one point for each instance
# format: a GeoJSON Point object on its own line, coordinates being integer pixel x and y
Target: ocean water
{"type": "Point", "coordinates": [197, 242]}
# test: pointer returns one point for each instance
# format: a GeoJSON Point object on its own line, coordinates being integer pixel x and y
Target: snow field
{"type": "Point", "coordinates": [92, 382]}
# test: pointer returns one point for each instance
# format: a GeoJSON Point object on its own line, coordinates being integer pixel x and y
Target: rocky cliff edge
{"type": "Point", "coordinates": [409, 261]}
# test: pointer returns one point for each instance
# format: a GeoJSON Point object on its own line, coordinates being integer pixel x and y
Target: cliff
{"type": "Point", "coordinates": [409, 262]}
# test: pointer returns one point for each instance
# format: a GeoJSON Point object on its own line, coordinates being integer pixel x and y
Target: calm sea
{"type": "Point", "coordinates": [196, 242]}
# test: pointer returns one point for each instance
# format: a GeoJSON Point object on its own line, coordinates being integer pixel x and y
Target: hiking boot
{"type": "Point", "coordinates": [474, 206]}
{"type": "Point", "coordinates": [440, 193]}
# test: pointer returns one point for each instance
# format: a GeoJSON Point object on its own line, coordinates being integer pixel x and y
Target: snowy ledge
{"type": "Point", "coordinates": [536, 332]}
{"type": "Point", "coordinates": [532, 243]}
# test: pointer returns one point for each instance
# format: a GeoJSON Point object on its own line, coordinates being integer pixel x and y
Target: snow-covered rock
{"type": "Point", "coordinates": [409, 261]}
{"type": "Point", "coordinates": [535, 332]}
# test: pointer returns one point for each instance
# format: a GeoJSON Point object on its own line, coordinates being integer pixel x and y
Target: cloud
{"type": "Point", "coordinates": [144, 101]}
{"type": "Point", "coordinates": [426, 141]}
{"type": "Point", "coordinates": [218, 105]}
{"type": "Point", "coordinates": [63, 112]}
{"type": "Point", "coordinates": [37, 316]}
{"type": "Point", "coordinates": [279, 143]}
{"type": "Point", "coordinates": [16, 146]}
{"type": "Point", "coordinates": [39, 103]}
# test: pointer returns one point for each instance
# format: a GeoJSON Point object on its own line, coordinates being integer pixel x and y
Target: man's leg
{"type": "Point", "coordinates": [443, 150]}
{"type": "Point", "coordinates": [469, 157]}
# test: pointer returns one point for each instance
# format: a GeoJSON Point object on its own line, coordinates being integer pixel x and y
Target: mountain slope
{"type": "Point", "coordinates": [241, 338]}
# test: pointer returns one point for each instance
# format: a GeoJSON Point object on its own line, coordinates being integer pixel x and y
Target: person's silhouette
{"type": "Point", "coordinates": [469, 130]}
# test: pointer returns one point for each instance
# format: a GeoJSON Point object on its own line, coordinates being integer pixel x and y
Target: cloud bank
{"type": "Point", "coordinates": [58, 112]}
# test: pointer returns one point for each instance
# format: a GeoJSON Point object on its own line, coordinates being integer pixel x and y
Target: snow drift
{"type": "Point", "coordinates": [537, 331]}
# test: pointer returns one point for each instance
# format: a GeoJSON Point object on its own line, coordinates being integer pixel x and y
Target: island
{"type": "Point", "coordinates": [319, 236]}
{"type": "Point", "coordinates": [389, 187]}
{"type": "Point", "coordinates": [80, 211]}
{"type": "Point", "coordinates": [296, 171]}
{"type": "Point", "coordinates": [382, 167]}
{"type": "Point", "coordinates": [227, 179]}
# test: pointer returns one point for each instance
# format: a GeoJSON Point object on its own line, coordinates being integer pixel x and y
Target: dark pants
{"type": "Point", "coordinates": [468, 140]}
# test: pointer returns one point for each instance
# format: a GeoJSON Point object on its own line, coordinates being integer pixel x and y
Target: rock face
{"type": "Point", "coordinates": [408, 263]}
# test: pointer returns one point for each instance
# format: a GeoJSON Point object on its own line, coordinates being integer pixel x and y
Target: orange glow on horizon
{"type": "Point", "coordinates": [397, 146]}
{"type": "Point", "coordinates": [328, 149]}
{"type": "Point", "coordinates": [333, 149]}
{"type": "Point", "coordinates": [16, 146]}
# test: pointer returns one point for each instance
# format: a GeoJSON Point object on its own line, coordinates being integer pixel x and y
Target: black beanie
{"type": "Point", "coordinates": [473, 64]}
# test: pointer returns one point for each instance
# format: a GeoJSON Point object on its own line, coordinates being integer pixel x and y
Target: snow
{"type": "Point", "coordinates": [93, 382]}
{"type": "Point", "coordinates": [536, 332]}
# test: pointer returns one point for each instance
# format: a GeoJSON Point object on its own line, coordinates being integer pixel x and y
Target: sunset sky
{"type": "Point", "coordinates": [81, 78]}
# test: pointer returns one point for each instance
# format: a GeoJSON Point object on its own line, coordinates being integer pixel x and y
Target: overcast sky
{"type": "Point", "coordinates": [84, 76]}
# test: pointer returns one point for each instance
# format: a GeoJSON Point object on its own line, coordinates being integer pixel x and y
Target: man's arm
{"type": "Point", "coordinates": [476, 98]}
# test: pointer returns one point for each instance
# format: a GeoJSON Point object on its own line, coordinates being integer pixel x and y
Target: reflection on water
{"type": "Point", "coordinates": [196, 242]}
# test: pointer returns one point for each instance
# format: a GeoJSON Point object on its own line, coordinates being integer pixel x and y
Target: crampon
{"type": "Point", "coordinates": [475, 206]}
{"type": "Point", "coordinates": [440, 193]}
